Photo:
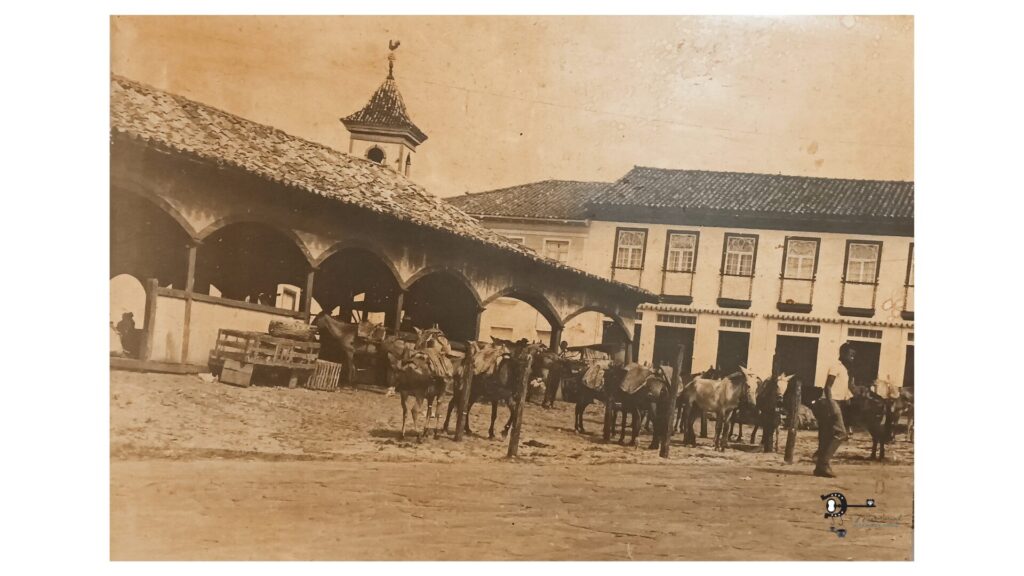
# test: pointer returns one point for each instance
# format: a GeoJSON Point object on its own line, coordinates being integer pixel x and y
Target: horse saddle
{"type": "Point", "coordinates": [593, 378]}
{"type": "Point", "coordinates": [439, 363]}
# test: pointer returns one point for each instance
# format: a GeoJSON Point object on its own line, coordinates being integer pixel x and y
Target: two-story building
{"type": "Point", "coordinates": [757, 270]}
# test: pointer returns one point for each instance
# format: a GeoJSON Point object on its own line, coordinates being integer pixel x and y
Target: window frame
{"type": "Point", "coordinates": [383, 155]}
{"type": "Point", "coordinates": [668, 244]}
{"type": "Point", "coordinates": [566, 241]}
{"type": "Point", "coordinates": [785, 256]}
{"type": "Point", "coordinates": [878, 261]}
{"type": "Point", "coordinates": [615, 251]}
{"type": "Point", "coordinates": [725, 253]}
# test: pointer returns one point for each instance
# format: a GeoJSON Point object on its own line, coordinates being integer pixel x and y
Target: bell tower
{"type": "Point", "coordinates": [382, 131]}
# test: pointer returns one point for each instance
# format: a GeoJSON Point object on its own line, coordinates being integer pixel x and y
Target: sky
{"type": "Point", "coordinates": [509, 100]}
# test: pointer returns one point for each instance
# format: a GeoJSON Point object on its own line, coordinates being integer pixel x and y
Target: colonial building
{"type": "Point", "coordinates": [751, 269]}
{"type": "Point", "coordinates": [220, 222]}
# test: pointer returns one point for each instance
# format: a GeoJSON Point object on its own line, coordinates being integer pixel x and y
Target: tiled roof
{"type": "Point", "coordinates": [170, 122]}
{"type": "Point", "coordinates": [386, 109]}
{"type": "Point", "coordinates": [760, 193]}
{"type": "Point", "coordinates": [550, 199]}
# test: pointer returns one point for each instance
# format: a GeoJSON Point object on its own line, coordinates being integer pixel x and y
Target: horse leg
{"type": "Point", "coordinates": [494, 416]}
{"type": "Point", "coordinates": [429, 403]}
{"type": "Point", "coordinates": [511, 416]}
{"type": "Point", "coordinates": [622, 435]}
{"type": "Point", "coordinates": [451, 406]}
{"type": "Point", "coordinates": [405, 412]}
{"type": "Point", "coordinates": [657, 421]}
{"type": "Point", "coordinates": [703, 424]}
{"type": "Point", "coordinates": [753, 433]}
{"type": "Point", "coordinates": [719, 425]}
{"type": "Point", "coordinates": [636, 425]}
{"type": "Point", "coordinates": [417, 405]}
{"type": "Point", "coordinates": [689, 417]}
{"type": "Point", "coordinates": [350, 367]}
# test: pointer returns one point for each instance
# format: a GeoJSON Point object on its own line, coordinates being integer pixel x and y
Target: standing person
{"type": "Point", "coordinates": [827, 410]}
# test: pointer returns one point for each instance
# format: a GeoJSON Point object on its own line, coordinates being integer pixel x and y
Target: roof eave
{"type": "Point", "coordinates": [411, 133]}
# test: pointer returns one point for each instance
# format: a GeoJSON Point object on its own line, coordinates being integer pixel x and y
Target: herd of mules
{"type": "Point", "coordinates": [425, 369]}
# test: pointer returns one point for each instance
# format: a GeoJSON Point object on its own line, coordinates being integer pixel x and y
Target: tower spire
{"type": "Point", "coordinates": [392, 46]}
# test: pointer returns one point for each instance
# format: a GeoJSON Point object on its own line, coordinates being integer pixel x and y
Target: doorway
{"type": "Point", "coordinates": [798, 355]}
{"type": "Point", "coordinates": [666, 345]}
{"type": "Point", "coordinates": [865, 364]}
{"type": "Point", "coordinates": [732, 351]}
{"type": "Point", "coordinates": [908, 368]}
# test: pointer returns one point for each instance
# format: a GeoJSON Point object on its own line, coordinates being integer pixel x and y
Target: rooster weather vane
{"type": "Point", "coordinates": [392, 45]}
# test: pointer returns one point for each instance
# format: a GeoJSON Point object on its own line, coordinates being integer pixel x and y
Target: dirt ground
{"type": "Point", "coordinates": [209, 471]}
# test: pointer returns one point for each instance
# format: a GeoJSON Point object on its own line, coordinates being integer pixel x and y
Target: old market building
{"type": "Point", "coordinates": [751, 269]}
{"type": "Point", "coordinates": [220, 222]}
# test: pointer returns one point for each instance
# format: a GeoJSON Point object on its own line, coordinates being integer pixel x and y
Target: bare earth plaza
{"type": "Point", "coordinates": [677, 341]}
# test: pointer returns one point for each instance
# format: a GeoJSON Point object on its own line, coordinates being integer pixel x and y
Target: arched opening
{"type": "Point", "coordinates": [360, 284]}
{"type": "Point", "coordinates": [513, 314]}
{"type": "Point", "coordinates": [588, 327]}
{"type": "Point", "coordinates": [251, 262]}
{"type": "Point", "coordinates": [146, 242]}
{"type": "Point", "coordinates": [443, 298]}
{"type": "Point", "coordinates": [127, 315]}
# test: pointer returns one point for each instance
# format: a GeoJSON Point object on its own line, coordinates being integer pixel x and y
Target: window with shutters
{"type": "Point", "coordinates": [629, 248]}
{"type": "Point", "coordinates": [557, 250]}
{"type": "Point", "coordinates": [681, 252]}
{"type": "Point", "coordinates": [739, 255]}
{"type": "Point", "coordinates": [862, 260]}
{"type": "Point", "coordinates": [801, 258]}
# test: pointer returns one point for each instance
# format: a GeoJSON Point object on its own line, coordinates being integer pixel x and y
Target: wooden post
{"type": "Point", "coordinates": [467, 386]}
{"type": "Point", "coordinates": [556, 338]}
{"type": "Point", "coordinates": [307, 296]}
{"type": "Point", "coordinates": [670, 411]}
{"type": "Point", "coordinates": [190, 282]}
{"type": "Point", "coordinates": [517, 424]}
{"type": "Point", "coordinates": [148, 318]}
{"type": "Point", "coordinates": [396, 312]}
{"type": "Point", "coordinates": [791, 424]}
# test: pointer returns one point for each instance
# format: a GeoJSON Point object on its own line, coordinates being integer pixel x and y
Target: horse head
{"type": "Point", "coordinates": [751, 382]}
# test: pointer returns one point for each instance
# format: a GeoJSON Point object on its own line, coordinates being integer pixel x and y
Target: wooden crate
{"type": "Point", "coordinates": [326, 376]}
{"type": "Point", "coordinates": [235, 373]}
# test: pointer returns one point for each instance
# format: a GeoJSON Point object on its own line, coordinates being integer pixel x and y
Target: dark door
{"type": "Point", "coordinates": [798, 355]}
{"type": "Point", "coordinates": [666, 345]}
{"type": "Point", "coordinates": [908, 369]}
{"type": "Point", "coordinates": [732, 351]}
{"type": "Point", "coordinates": [865, 363]}
{"type": "Point", "coordinates": [636, 342]}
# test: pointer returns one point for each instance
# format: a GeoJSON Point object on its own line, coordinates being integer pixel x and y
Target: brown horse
{"type": "Point", "coordinates": [503, 387]}
{"type": "Point", "coordinates": [487, 360]}
{"type": "Point", "coordinates": [415, 378]}
{"type": "Point", "coordinates": [722, 396]}
{"type": "Point", "coordinates": [340, 337]}
{"type": "Point", "coordinates": [636, 389]}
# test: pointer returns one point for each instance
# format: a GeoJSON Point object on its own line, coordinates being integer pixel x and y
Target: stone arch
{"type": "Point", "coordinates": [533, 297]}
{"type": "Point", "coordinates": [616, 319]}
{"type": "Point", "coordinates": [148, 238]}
{"type": "Point", "coordinates": [441, 269]}
{"type": "Point", "coordinates": [348, 269]}
{"type": "Point", "coordinates": [161, 203]}
{"type": "Point", "coordinates": [226, 221]}
{"type": "Point", "coordinates": [249, 260]}
{"type": "Point", "coordinates": [445, 297]}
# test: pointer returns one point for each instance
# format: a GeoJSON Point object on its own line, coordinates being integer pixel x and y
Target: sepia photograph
{"type": "Point", "coordinates": [575, 288]}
